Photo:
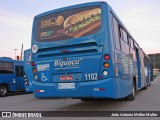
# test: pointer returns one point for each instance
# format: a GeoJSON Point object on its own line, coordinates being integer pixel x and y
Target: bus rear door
{"type": "Point", "coordinates": [19, 77]}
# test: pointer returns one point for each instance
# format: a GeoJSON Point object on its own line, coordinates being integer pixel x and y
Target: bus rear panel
{"type": "Point", "coordinates": [74, 54]}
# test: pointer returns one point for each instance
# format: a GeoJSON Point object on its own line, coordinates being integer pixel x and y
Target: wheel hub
{"type": "Point", "coordinates": [2, 90]}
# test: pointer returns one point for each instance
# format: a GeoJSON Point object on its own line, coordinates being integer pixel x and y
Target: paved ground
{"type": "Point", "coordinates": [146, 100]}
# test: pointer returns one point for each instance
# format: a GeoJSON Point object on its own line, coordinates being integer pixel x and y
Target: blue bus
{"type": "Point", "coordinates": [28, 75]}
{"type": "Point", "coordinates": [148, 70]}
{"type": "Point", "coordinates": [85, 51]}
{"type": "Point", "coordinates": [11, 76]}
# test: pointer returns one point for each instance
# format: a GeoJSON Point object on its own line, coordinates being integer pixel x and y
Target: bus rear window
{"type": "Point", "coordinates": [68, 24]}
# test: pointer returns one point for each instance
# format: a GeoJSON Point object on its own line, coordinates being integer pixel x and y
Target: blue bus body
{"type": "Point", "coordinates": [28, 75]}
{"type": "Point", "coordinates": [96, 64]}
{"type": "Point", "coordinates": [11, 75]}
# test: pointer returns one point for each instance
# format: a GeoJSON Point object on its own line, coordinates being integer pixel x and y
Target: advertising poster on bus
{"type": "Point", "coordinates": [69, 24]}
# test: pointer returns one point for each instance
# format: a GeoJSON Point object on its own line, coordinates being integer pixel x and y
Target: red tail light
{"type": "Point", "coordinates": [33, 64]}
{"type": "Point", "coordinates": [106, 57]}
{"type": "Point", "coordinates": [102, 89]}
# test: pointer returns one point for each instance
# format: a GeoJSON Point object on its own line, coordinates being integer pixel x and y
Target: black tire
{"type": "Point", "coordinates": [3, 90]}
{"type": "Point", "coordinates": [144, 88]}
{"type": "Point", "coordinates": [131, 97]}
{"type": "Point", "coordinates": [149, 84]}
{"type": "Point", "coordinates": [87, 99]}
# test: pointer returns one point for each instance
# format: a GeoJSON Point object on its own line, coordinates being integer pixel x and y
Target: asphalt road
{"type": "Point", "coordinates": [146, 100]}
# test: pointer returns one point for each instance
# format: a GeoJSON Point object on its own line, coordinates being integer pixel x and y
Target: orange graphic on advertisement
{"type": "Point", "coordinates": [59, 20]}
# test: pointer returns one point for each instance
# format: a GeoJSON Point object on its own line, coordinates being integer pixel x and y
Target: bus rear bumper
{"type": "Point", "coordinates": [92, 89]}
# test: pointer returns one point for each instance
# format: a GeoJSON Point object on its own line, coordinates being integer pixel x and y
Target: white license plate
{"type": "Point", "coordinates": [66, 85]}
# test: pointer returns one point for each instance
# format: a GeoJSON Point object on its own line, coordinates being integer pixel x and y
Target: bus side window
{"type": "Point", "coordinates": [9, 67]}
{"type": "Point", "coordinates": [6, 68]}
{"type": "Point", "coordinates": [136, 45]}
{"type": "Point", "coordinates": [2, 66]}
{"type": "Point", "coordinates": [132, 50]}
{"type": "Point", "coordinates": [124, 41]}
{"type": "Point", "coordinates": [17, 71]}
{"type": "Point", "coordinates": [125, 36]}
{"type": "Point", "coordinates": [131, 43]}
{"type": "Point", "coordinates": [120, 33]}
{"type": "Point", "coordinates": [21, 71]}
{"type": "Point", "coordinates": [116, 33]}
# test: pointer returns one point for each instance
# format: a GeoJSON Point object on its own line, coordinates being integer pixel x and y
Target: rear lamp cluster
{"type": "Point", "coordinates": [33, 64]}
{"type": "Point", "coordinates": [33, 67]}
{"type": "Point", "coordinates": [34, 70]}
{"type": "Point", "coordinates": [106, 64]}
{"type": "Point", "coordinates": [106, 57]}
{"type": "Point", "coordinates": [26, 80]}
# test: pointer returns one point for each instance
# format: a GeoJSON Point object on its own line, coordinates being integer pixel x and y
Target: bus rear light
{"type": "Point", "coordinates": [13, 80]}
{"type": "Point", "coordinates": [39, 90]}
{"type": "Point", "coordinates": [100, 77]}
{"type": "Point", "coordinates": [33, 64]}
{"type": "Point", "coordinates": [34, 70]}
{"type": "Point", "coordinates": [106, 57]}
{"type": "Point", "coordinates": [106, 65]}
{"type": "Point", "coordinates": [26, 83]}
{"type": "Point", "coordinates": [99, 89]}
{"type": "Point", "coordinates": [64, 51]}
{"type": "Point", "coordinates": [35, 77]}
{"type": "Point", "coordinates": [102, 89]}
{"type": "Point", "coordinates": [105, 73]}
{"type": "Point", "coordinates": [116, 72]}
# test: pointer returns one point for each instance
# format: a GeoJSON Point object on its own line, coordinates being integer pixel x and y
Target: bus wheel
{"type": "Point", "coordinates": [149, 84]}
{"type": "Point", "coordinates": [3, 90]}
{"type": "Point", "coordinates": [131, 97]}
{"type": "Point", "coordinates": [144, 88]}
{"type": "Point", "coordinates": [87, 99]}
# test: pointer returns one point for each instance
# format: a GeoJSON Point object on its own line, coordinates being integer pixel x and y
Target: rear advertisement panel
{"type": "Point", "coordinates": [68, 24]}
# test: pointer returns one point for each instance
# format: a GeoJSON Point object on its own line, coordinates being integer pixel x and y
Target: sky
{"type": "Point", "coordinates": [141, 17]}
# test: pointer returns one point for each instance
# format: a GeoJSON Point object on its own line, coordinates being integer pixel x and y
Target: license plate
{"type": "Point", "coordinates": [66, 78]}
{"type": "Point", "coordinates": [66, 85]}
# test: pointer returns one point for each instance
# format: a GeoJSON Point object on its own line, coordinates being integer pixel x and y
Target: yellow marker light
{"type": "Point", "coordinates": [34, 70]}
{"type": "Point", "coordinates": [106, 65]}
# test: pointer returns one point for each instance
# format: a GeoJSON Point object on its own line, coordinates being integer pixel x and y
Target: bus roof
{"type": "Point", "coordinates": [70, 7]}
{"type": "Point", "coordinates": [5, 58]}
{"type": "Point", "coordinates": [27, 50]}
{"type": "Point", "coordinates": [8, 59]}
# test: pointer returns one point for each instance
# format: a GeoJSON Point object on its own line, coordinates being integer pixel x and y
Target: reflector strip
{"type": "Point", "coordinates": [99, 89]}
{"type": "Point", "coordinates": [39, 90]}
